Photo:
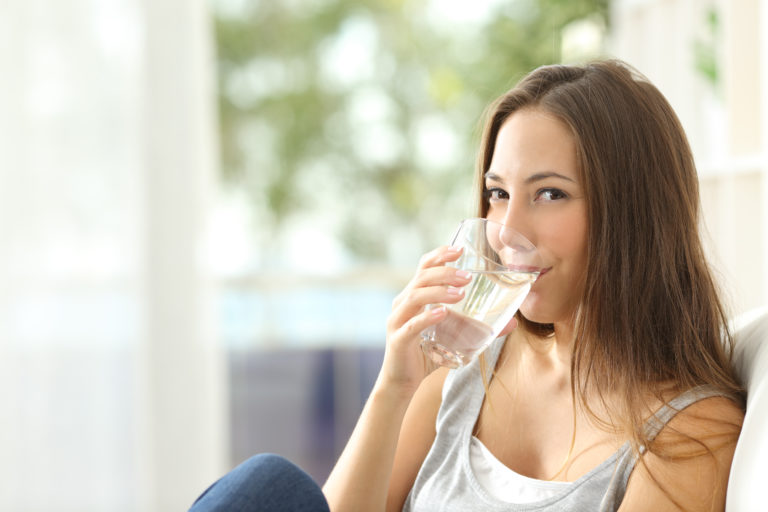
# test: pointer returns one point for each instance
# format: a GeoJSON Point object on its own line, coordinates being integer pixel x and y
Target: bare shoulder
{"type": "Point", "coordinates": [710, 415]}
{"type": "Point", "coordinates": [431, 388]}
{"type": "Point", "coordinates": [416, 436]}
{"type": "Point", "coordinates": [687, 465]}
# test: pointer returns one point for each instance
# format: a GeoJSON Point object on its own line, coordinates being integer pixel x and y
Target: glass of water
{"type": "Point", "coordinates": [503, 265]}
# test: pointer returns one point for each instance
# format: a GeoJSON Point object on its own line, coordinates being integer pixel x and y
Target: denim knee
{"type": "Point", "coordinates": [267, 483]}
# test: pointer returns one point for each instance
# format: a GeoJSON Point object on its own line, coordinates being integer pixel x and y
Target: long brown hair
{"type": "Point", "coordinates": [650, 318]}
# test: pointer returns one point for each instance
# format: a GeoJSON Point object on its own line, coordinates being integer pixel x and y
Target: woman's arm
{"type": "Point", "coordinates": [692, 472]}
{"type": "Point", "coordinates": [361, 478]}
{"type": "Point", "coordinates": [416, 437]}
{"type": "Point", "coordinates": [379, 466]}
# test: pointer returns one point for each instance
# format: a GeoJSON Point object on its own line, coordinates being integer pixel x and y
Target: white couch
{"type": "Point", "coordinates": [748, 483]}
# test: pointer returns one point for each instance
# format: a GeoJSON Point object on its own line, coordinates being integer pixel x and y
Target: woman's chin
{"type": "Point", "coordinates": [535, 315]}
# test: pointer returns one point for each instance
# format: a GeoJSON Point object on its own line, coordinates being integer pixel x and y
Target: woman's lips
{"type": "Point", "coordinates": [529, 269]}
{"type": "Point", "coordinates": [524, 268]}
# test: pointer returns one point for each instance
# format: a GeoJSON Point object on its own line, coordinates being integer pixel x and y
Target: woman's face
{"type": "Point", "coordinates": [533, 185]}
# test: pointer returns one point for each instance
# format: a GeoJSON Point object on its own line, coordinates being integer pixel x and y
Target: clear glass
{"type": "Point", "coordinates": [504, 266]}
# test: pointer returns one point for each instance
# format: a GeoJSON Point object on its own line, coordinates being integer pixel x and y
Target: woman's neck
{"type": "Point", "coordinates": [556, 348]}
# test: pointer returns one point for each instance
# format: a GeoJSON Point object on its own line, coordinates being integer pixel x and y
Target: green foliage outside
{"type": "Point", "coordinates": [705, 50]}
{"type": "Point", "coordinates": [367, 112]}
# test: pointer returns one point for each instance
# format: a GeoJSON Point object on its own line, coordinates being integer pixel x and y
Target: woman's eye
{"type": "Point", "coordinates": [550, 194]}
{"type": "Point", "coordinates": [496, 194]}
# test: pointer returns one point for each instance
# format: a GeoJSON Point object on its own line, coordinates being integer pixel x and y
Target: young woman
{"type": "Point", "coordinates": [615, 391]}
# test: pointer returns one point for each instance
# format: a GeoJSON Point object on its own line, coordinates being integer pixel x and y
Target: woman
{"type": "Point", "coordinates": [614, 392]}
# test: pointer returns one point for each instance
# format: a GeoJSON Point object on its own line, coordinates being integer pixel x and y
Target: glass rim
{"type": "Point", "coordinates": [498, 266]}
{"type": "Point", "coordinates": [486, 220]}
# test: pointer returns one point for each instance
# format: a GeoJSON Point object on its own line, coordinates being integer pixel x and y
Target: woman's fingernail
{"type": "Point", "coordinates": [438, 311]}
{"type": "Point", "coordinates": [463, 274]}
{"type": "Point", "coordinates": [454, 250]}
{"type": "Point", "coordinates": [455, 291]}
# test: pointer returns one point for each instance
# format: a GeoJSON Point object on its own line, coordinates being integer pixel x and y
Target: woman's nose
{"type": "Point", "coordinates": [517, 251]}
{"type": "Point", "coordinates": [516, 223]}
{"type": "Point", "coordinates": [514, 239]}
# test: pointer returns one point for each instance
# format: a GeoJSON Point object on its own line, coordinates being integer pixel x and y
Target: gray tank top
{"type": "Point", "coordinates": [446, 482]}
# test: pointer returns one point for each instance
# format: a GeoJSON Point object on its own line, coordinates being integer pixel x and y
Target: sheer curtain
{"type": "Point", "coordinates": [112, 384]}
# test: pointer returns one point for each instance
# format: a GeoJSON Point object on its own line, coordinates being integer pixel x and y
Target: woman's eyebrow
{"type": "Point", "coordinates": [547, 174]}
{"type": "Point", "coordinates": [490, 176]}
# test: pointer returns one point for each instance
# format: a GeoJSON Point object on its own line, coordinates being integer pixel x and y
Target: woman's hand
{"type": "Point", "coordinates": [405, 365]}
{"type": "Point", "coordinates": [361, 478]}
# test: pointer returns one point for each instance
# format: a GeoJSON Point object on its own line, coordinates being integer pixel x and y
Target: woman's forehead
{"type": "Point", "coordinates": [531, 144]}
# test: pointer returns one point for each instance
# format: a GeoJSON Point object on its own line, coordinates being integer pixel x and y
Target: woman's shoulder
{"type": "Point", "coordinates": [419, 422]}
{"type": "Point", "coordinates": [431, 388]}
{"type": "Point", "coordinates": [705, 423]}
{"type": "Point", "coordinates": [688, 463]}
{"type": "Point", "coordinates": [717, 405]}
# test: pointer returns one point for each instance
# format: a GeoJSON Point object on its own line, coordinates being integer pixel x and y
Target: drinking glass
{"type": "Point", "coordinates": [503, 265]}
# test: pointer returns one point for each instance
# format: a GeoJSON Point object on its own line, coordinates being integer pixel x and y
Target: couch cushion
{"type": "Point", "coordinates": [749, 472]}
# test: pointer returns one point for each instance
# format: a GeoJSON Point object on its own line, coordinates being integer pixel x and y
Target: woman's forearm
{"type": "Point", "coordinates": [360, 479]}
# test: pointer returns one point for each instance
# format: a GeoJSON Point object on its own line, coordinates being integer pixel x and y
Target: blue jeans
{"type": "Point", "coordinates": [263, 483]}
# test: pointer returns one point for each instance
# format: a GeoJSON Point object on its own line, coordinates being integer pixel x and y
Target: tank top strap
{"type": "Point", "coordinates": [463, 390]}
{"type": "Point", "coordinates": [669, 410]}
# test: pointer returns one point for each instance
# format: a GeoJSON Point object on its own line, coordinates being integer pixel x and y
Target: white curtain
{"type": "Point", "coordinates": [112, 385]}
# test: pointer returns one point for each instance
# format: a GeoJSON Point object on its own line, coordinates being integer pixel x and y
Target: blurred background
{"type": "Point", "coordinates": [207, 207]}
